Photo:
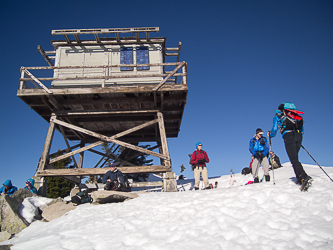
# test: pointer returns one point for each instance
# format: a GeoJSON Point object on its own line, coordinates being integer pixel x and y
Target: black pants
{"type": "Point", "coordinates": [293, 142]}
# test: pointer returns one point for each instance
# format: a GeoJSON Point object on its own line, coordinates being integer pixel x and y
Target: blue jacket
{"type": "Point", "coordinates": [277, 123]}
{"type": "Point", "coordinates": [255, 146]}
{"type": "Point", "coordinates": [113, 176]}
{"type": "Point", "coordinates": [32, 188]}
{"type": "Point", "coordinates": [12, 189]}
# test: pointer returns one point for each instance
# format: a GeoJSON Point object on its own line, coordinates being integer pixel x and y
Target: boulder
{"type": "Point", "coordinates": [11, 220]}
{"type": "Point", "coordinates": [5, 247]}
{"type": "Point", "coordinates": [56, 210]}
{"type": "Point", "coordinates": [105, 196]}
{"type": "Point", "coordinates": [41, 208]}
{"type": "Point", "coordinates": [17, 198]}
{"type": "Point", "coordinates": [4, 236]}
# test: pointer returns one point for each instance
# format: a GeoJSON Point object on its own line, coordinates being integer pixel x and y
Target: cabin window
{"type": "Point", "coordinates": [126, 57]}
{"type": "Point", "coordinates": [142, 57]}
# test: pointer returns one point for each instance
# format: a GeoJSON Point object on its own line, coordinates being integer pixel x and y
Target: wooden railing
{"type": "Point", "coordinates": [45, 82]}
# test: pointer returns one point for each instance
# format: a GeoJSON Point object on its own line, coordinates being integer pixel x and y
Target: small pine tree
{"type": "Point", "coordinates": [56, 186]}
{"type": "Point", "coordinates": [182, 168]}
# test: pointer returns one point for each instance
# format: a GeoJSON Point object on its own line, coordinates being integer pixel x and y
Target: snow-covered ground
{"type": "Point", "coordinates": [258, 216]}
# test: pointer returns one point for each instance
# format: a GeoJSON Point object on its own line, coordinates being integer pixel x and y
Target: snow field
{"type": "Point", "coordinates": [257, 216]}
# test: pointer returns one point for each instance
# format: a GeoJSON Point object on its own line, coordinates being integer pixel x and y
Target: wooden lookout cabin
{"type": "Point", "coordinates": [120, 86]}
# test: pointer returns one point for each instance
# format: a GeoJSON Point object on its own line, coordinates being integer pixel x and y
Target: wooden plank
{"type": "Point", "coordinates": [46, 57]}
{"type": "Point", "coordinates": [98, 90]}
{"type": "Point", "coordinates": [111, 155]}
{"type": "Point", "coordinates": [47, 145]}
{"type": "Point", "coordinates": [69, 178]}
{"type": "Point", "coordinates": [37, 81]}
{"type": "Point", "coordinates": [102, 171]}
{"type": "Point", "coordinates": [171, 74]}
{"type": "Point", "coordinates": [76, 152]}
{"type": "Point", "coordinates": [80, 112]}
{"type": "Point", "coordinates": [147, 184]}
{"type": "Point", "coordinates": [103, 66]}
{"type": "Point", "coordinates": [102, 77]}
{"type": "Point", "coordinates": [163, 139]}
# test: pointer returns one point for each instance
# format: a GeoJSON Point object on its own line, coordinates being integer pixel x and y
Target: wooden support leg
{"type": "Point", "coordinates": [164, 143]}
{"type": "Point", "coordinates": [47, 145]}
{"type": "Point", "coordinates": [46, 151]}
{"type": "Point", "coordinates": [81, 155]}
{"type": "Point", "coordinates": [169, 182]}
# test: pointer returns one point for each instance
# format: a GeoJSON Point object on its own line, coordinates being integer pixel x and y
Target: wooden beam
{"type": "Point", "coordinates": [37, 81]}
{"type": "Point", "coordinates": [75, 152]}
{"type": "Point", "coordinates": [69, 178]}
{"type": "Point", "coordinates": [166, 78]}
{"type": "Point", "coordinates": [46, 57]}
{"type": "Point", "coordinates": [147, 184]}
{"type": "Point", "coordinates": [102, 171]}
{"type": "Point", "coordinates": [47, 145]}
{"type": "Point", "coordinates": [163, 139]}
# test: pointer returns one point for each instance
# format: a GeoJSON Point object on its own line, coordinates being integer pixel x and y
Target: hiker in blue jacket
{"type": "Point", "coordinates": [259, 149]}
{"type": "Point", "coordinates": [29, 185]}
{"type": "Point", "coordinates": [114, 179]}
{"type": "Point", "coordinates": [292, 131]}
{"type": "Point", "coordinates": [8, 188]}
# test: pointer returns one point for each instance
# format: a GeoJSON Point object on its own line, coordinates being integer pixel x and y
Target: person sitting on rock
{"type": "Point", "coordinates": [274, 161]}
{"type": "Point", "coordinates": [29, 185]}
{"type": "Point", "coordinates": [8, 188]}
{"type": "Point", "coordinates": [113, 179]}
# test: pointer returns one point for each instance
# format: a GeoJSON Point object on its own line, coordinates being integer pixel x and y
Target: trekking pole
{"type": "Point", "coordinates": [316, 162]}
{"type": "Point", "coordinates": [270, 149]}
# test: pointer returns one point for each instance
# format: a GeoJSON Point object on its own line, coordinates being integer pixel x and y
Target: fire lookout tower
{"type": "Point", "coordinates": [108, 85]}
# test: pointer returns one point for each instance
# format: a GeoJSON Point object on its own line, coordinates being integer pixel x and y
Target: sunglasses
{"type": "Point", "coordinates": [200, 145]}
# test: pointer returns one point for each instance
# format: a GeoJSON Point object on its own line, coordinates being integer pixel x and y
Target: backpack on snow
{"type": "Point", "coordinates": [81, 197]}
{"type": "Point", "coordinates": [246, 171]}
{"type": "Point", "coordinates": [291, 118]}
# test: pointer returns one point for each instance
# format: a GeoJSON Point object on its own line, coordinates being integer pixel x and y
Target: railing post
{"type": "Point", "coordinates": [22, 76]}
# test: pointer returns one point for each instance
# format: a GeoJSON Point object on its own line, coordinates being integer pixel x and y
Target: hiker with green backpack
{"type": "Point", "coordinates": [290, 123]}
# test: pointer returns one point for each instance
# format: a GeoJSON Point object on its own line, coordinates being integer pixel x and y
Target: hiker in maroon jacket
{"type": "Point", "coordinates": [198, 160]}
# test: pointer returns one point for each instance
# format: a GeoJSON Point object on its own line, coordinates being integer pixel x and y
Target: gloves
{"type": "Point", "coordinates": [259, 155]}
{"type": "Point", "coordinates": [201, 161]}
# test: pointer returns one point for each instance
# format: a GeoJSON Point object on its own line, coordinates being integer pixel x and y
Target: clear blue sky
{"type": "Point", "coordinates": [244, 59]}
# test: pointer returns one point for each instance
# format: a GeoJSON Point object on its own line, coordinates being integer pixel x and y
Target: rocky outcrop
{"type": "Point", "coordinates": [11, 220]}
{"type": "Point", "coordinates": [56, 210]}
{"type": "Point", "coordinates": [4, 236]}
{"type": "Point", "coordinates": [105, 196]}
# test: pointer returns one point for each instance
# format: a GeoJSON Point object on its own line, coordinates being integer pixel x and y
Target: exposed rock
{"type": "Point", "coordinates": [11, 220]}
{"type": "Point", "coordinates": [4, 236]}
{"type": "Point", "coordinates": [74, 191]}
{"type": "Point", "coordinates": [105, 196]}
{"type": "Point", "coordinates": [41, 208]}
{"type": "Point", "coordinates": [5, 247]}
{"type": "Point", "coordinates": [18, 197]}
{"type": "Point", "coordinates": [56, 210]}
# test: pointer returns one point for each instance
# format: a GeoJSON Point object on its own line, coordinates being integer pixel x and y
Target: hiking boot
{"type": "Point", "coordinates": [256, 180]}
{"type": "Point", "coordinates": [209, 187]}
{"type": "Point", "coordinates": [196, 188]}
{"type": "Point", "coordinates": [267, 178]}
{"type": "Point", "coordinates": [306, 179]}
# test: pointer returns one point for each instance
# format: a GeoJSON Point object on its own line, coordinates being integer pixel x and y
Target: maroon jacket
{"type": "Point", "coordinates": [199, 155]}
